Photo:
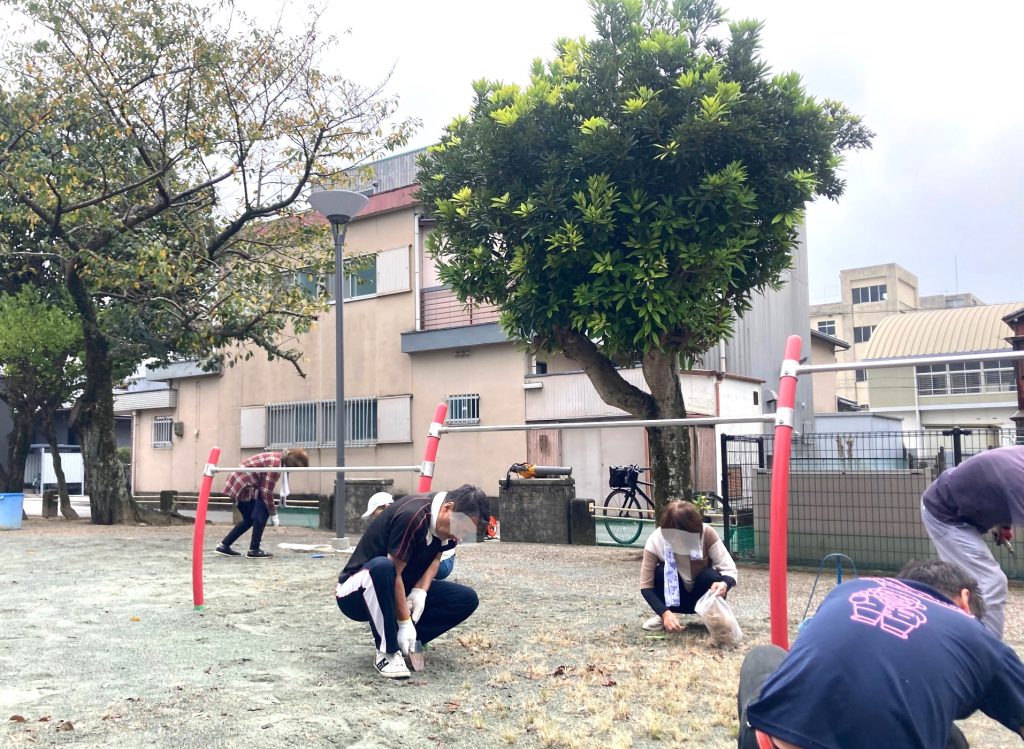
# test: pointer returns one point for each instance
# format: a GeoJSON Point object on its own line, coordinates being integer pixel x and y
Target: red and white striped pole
{"type": "Point", "coordinates": [200, 528]}
{"type": "Point", "coordinates": [778, 514]}
{"type": "Point", "coordinates": [430, 454]}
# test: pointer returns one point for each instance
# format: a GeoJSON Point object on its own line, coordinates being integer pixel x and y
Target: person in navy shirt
{"type": "Point", "coordinates": [885, 662]}
{"type": "Point", "coordinates": [394, 566]}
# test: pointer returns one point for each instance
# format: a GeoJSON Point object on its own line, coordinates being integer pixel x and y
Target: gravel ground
{"type": "Point", "coordinates": [102, 648]}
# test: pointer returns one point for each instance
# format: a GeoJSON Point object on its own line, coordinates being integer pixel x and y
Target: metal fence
{"type": "Point", "coordinates": [855, 493]}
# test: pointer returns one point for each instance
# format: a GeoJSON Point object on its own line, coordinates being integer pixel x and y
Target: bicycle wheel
{"type": "Point", "coordinates": [622, 517]}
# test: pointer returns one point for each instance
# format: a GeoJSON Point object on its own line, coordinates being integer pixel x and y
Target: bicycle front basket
{"type": "Point", "coordinates": [619, 476]}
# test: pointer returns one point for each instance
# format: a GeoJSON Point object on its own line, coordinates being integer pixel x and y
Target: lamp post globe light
{"type": "Point", "coordinates": [339, 207]}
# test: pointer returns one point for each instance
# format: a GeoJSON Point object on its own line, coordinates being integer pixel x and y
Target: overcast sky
{"type": "Point", "coordinates": [942, 191]}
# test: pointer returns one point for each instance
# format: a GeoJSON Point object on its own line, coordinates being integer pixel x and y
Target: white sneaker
{"type": "Point", "coordinates": [654, 624]}
{"type": "Point", "coordinates": [391, 666]}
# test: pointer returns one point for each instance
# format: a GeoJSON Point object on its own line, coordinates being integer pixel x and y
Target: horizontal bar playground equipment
{"type": "Point", "coordinates": [782, 419]}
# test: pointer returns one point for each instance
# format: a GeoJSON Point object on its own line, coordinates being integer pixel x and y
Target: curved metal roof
{"type": "Point", "coordinates": [960, 330]}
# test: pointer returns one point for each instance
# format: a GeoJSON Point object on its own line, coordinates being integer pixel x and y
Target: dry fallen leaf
{"type": "Point", "coordinates": [65, 725]}
{"type": "Point", "coordinates": [135, 619]}
{"type": "Point", "coordinates": [17, 718]}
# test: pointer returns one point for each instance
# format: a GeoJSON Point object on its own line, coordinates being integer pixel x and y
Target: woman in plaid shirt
{"type": "Point", "coordinates": [254, 495]}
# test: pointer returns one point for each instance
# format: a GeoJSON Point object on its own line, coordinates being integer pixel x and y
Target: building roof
{"type": "Point", "coordinates": [830, 339]}
{"type": "Point", "coordinates": [962, 330]}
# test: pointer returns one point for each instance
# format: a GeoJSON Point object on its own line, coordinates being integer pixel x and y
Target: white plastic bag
{"type": "Point", "coordinates": [718, 618]}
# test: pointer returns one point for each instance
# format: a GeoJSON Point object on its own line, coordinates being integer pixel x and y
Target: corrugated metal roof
{"type": "Point", "coordinates": [961, 330]}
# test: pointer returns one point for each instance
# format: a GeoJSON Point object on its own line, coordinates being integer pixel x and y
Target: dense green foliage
{"type": "Point", "coordinates": [40, 367]}
{"type": "Point", "coordinates": [640, 189]}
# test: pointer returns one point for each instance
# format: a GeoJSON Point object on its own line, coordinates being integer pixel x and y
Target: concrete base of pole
{"type": "Point", "coordinates": [340, 543]}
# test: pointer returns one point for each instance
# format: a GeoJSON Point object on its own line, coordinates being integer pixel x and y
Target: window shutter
{"type": "Point", "coordinates": [253, 427]}
{"type": "Point", "coordinates": [393, 271]}
{"type": "Point", "coordinates": [394, 420]}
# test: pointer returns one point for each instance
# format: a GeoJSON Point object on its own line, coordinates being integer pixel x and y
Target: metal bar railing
{"type": "Point", "coordinates": [696, 421]}
{"type": "Point", "coordinates": [911, 361]}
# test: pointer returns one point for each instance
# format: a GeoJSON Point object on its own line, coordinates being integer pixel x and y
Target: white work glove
{"type": "Point", "coordinates": [275, 520]}
{"type": "Point", "coordinates": [406, 636]}
{"type": "Point", "coordinates": [416, 599]}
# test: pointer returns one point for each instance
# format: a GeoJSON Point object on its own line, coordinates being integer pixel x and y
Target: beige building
{"type": "Point", "coordinates": [941, 396]}
{"type": "Point", "coordinates": [868, 296]}
{"type": "Point", "coordinates": [409, 344]}
{"type": "Point", "coordinates": [825, 349]}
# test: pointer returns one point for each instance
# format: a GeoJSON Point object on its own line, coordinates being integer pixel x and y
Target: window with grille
{"type": "Point", "coordinates": [966, 378]}
{"type": "Point", "coordinates": [862, 333]}
{"type": "Point", "coordinates": [864, 294]}
{"type": "Point", "coordinates": [828, 327]}
{"type": "Point", "coordinates": [463, 409]}
{"type": "Point", "coordinates": [162, 431]}
{"type": "Point", "coordinates": [311, 423]}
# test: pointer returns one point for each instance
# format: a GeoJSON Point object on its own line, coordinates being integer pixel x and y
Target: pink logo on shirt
{"type": "Point", "coordinates": [893, 607]}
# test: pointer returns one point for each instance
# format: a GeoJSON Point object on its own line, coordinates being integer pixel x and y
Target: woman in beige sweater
{"type": "Point", "coordinates": [695, 559]}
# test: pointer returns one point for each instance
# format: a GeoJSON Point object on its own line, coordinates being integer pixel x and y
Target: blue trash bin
{"type": "Point", "coordinates": [10, 511]}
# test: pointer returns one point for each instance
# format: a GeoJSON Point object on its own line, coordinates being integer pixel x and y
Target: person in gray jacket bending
{"type": "Point", "coordinates": [984, 492]}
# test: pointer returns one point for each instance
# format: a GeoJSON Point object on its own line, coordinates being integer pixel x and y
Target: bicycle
{"type": "Point", "coordinates": [623, 512]}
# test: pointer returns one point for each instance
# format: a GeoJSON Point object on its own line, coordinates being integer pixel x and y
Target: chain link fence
{"type": "Point", "coordinates": [855, 493]}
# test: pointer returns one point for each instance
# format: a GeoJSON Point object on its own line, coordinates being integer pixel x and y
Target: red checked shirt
{"type": "Point", "coordinates": [244, 487]}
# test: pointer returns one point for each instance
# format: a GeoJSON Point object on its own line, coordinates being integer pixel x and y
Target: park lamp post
{"type": "Point", "coordinates": [339, 207]}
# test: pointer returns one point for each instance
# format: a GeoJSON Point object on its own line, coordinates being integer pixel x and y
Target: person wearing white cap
{"type": "Point", "coordinates": [377, 503]}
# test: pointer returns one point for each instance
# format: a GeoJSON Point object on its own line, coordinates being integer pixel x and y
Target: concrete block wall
{"type": "Point", "coordinates": [536, 510]}
{"type": "Point", "coordinates": [871, 516]}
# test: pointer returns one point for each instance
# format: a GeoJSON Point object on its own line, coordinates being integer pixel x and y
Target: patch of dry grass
{"type": "Point", "coordinates": [626, 692]}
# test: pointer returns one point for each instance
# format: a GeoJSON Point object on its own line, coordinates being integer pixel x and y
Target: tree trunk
{"type": "Point", "coordinates": [670, 446]}
{"type": "Point", "coordinates": [58, 468]}
{"type": "Point", "coordinates": [17, 450]}
{"type": "Point", "coordinates": [109, 499]}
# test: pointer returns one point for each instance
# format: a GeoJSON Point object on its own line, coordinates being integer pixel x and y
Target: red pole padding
{"type": "Point", "coordinates": [200, 528]}
{"type": "Point", "coordinates": [778, 540]}
{"type": "Point", "coordinates": [430, 454]}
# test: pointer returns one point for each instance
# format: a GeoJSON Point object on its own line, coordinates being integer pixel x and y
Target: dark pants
{"type": "Point", "coordinates": [372, 599]}
{"type": "Point", "coordinates": [254, 515]}
{"type": "Point", "coordinates": [687, 599]}
{"type": "Point", "coordinates": [758, 665]}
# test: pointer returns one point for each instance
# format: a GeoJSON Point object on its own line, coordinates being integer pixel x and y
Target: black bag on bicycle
{"type": "Point", "coordinates": [622, 476]}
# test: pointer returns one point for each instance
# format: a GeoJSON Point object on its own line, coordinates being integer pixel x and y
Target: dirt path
{"type": "Point", "coordinates": [102, 648]}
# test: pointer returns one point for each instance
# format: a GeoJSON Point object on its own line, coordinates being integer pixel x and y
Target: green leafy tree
{"type": "Point", "coordinates": [626, 204]}
{"type": "Point", "coordinates": [159, 149]}
{"type": "Point", "coordinates": [40, 367]}
{"type": "Point", "coordinates": [17, 272]}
